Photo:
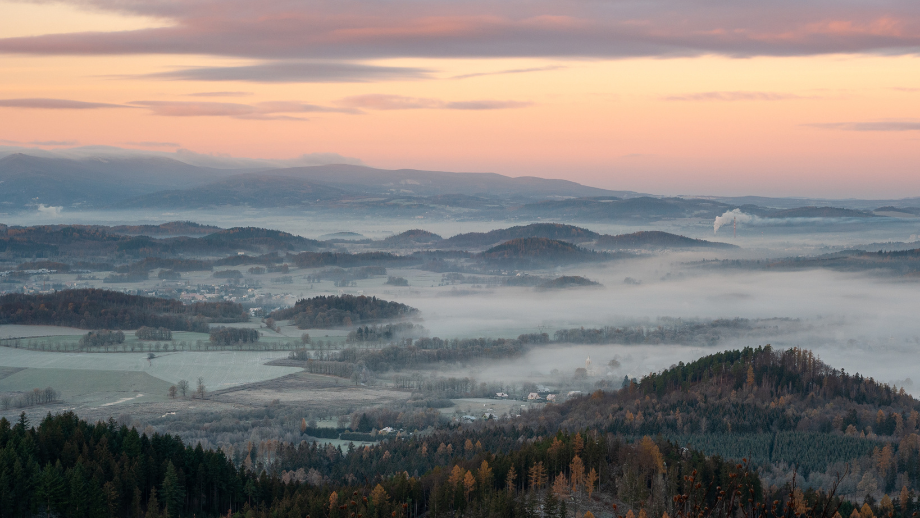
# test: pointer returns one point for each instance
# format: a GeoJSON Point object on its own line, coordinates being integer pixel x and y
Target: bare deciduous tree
{"type": "Point", "coordinates": [183, 387]}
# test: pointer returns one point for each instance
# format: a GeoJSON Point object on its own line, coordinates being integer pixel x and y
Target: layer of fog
{"type": "Point", "coordinates": [857, 322]}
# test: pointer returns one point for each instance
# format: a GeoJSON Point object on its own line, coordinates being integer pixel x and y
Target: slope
{"type": "Point", "coordinates": [655, 239]}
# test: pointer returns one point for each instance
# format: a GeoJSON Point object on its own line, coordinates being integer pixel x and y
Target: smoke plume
{"type": "Point", "coordinates": [728, 217]}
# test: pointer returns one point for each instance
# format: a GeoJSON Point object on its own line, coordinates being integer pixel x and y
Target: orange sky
{"type": "Point", "coordinates": [825, 105]}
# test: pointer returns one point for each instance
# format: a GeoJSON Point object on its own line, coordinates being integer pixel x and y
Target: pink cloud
{"type": "Point", "coordinates": [361, 30]}
{"type": "Point", "coordinates": [274, 110]}
{"type": "Point", "coordinates": [733, 96]}
{"type": "Point", "coordinates": [54, 104]}
{"type": "Point", "coordinates": [399, 102]}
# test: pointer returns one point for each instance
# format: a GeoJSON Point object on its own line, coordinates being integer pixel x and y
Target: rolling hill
{"type": "Point", "coordinates": [535, 251]}
{"type": "Point", "coordinates": [414, 237]}
{"type": "Point", "coordinates": [654, 239]}
{"type": "Point", "coordinates": [556, 231]}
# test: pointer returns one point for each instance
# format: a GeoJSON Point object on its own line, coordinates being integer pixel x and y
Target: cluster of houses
{"type": "Point", "coordinates": [542, 394]}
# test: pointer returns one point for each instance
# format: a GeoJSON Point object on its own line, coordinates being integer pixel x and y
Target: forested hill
{"type": "Point", "coordinates": [342, 310]}
{"type": "Point", "coordinates": [536, 250]}
{"type": "Point", "coordinates": [77, 241]}
{"type": "Point", "coordinates": [104, 309]}
{"type": "Point", "coordinates": [414, 237]}
{"type": "Point", "coordinates": [655, 239]}
{"type": "Point", "coordinates": [749, 391]}
{"type": "Point", "coordinates": [556, 231]}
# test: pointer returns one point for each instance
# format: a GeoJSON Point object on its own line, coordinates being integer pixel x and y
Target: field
{"type": "Point", "coordinates": [99, 386]}
{"type": "Point", "coordinates": [89, 388]}
{"type": "Point", "coordinates": [313, 391]}
{"type": "Point", "coordinates": [222, 369]}
{"type": "Point", "coordinates": [18, 331]}
{"type": "Point", "coordinates": [55, 338]}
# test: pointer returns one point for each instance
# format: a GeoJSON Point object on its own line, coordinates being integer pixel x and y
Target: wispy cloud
{"type": "Point", "coordinates": [219, 94]}
{"type": "Point", "coordinates": [486, 104]}
{"type": "Point", "coordinates": [42, 142]}
{"type": "Point", "coordinates": [55, 104]}
{"type": "Point", "coordinates": [512, 71]}
{"type": "Point", "coordinates": [909, 125]}
{"type": "Point", "coordinates": [733, 96]}
{"type": "Point", "coordinates": [153, 144]}
{"type": "Point", "coordinates": [399, 102]}
{"type": "Point", "coordinates": [54, 142]}
{"type": "Point", "coordinates": [294, 72]}
{"type": "Point", "coordinates": [274, 110]}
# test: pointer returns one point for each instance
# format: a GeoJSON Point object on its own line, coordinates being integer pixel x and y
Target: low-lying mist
{"type": "Point", "coordinates": [856, 322]}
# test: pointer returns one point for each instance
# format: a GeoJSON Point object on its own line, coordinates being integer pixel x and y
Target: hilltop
{"type": "Point", "coordinates": [342, 311]}
{"type": "Point", "coordinates": [537, 250]}
{"type": "Point", "coordinates": [744, 398]}
{"type": "Point", "coordinates": [567, 281]}
{"type": "Point", "coordinates": [555, 231]}
{"type": "Point", "coordinates": [414, 237]}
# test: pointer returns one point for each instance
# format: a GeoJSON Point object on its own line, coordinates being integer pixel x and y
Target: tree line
{"type": "Point", "coordinates": [233, 335]}
{"type": "Point", "coordinates": [103, 309]}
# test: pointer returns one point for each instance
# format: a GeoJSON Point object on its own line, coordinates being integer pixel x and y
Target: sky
{"type": "Point", "coordinates": [692, 97]}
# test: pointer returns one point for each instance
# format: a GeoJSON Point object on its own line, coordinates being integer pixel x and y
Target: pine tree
{"type": "Point", "coordinates": [173, 492]}
{"type": "Point", "coordinates": [51, 487]}
{"type": "Point", "coordinates": [78, 501]}
{"type": "Point", "coordinates": [153, 506]}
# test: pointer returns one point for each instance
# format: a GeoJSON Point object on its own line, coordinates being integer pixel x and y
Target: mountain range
{"type": "Point", "coordinates": [114, 178]}
{"type": "Point", "coordinates": [148, 182]}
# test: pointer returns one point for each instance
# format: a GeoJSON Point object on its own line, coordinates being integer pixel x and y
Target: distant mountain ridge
{"type": "Point", "coordinates": [300, 186]}
{"type": "Point", "coordinates": [125, 182]}
{"type": "Point", "coordinates": [100, 177]}
{"type": "Point", "coordinates": [93, 182]}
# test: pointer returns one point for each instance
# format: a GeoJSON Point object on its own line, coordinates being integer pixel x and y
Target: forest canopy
{"type": "Point", "coordinates": [103, 309]}
{"type": "Point", "coordinates": [342, 311]}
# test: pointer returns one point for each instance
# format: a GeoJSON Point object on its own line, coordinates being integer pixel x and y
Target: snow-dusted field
{"type": "Point", "coordinates": [18, 331]}
{"type": "Point", "coordinates": [219, 369]}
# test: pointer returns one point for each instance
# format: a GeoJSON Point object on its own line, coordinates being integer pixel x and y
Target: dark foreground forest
{"type": "Point", "coordinates": [583, 456]}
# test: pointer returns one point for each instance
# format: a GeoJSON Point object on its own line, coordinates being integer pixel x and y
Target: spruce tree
{"type": "Point", "coordinates": [173, 492]}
